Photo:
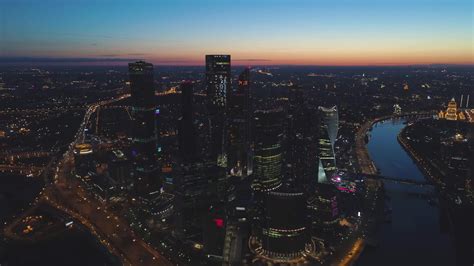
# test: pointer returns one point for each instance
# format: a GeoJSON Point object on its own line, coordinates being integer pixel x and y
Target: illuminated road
{"type": "Point", "coordinates": [365, 163]}
{"type": "Point", "coordinates": [353, 254]}
{"type": "Point", "coordinates": [13, 156]}
{"type": "Point", "coordinates": [113, 231]}
{"type": "Point", "coordinates": [21, 169]}
{"type": "Point", "coordinates": [66, 194]}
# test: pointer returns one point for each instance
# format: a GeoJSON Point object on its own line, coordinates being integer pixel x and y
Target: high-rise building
{"type": "Point", "coordinates": [144, 131]}
{"type": "Point", "coordinates": [84, 159]}
{"type": "Point", "coordinates": [284, 226]}
{"type": "Point", "coordinates": [239, 155]}
{"type": "Point", "coordinates": [301, 141]}
{"type": "Point", "coordinates": [328, 135]}
{"type": "Point", "coordinates": [330, 118]}
{"type": "Point", "coordinates": [268, 149]}
{"type": "Point", "coordinates": [119, 167]}
{"type": "Point", "coordinates": [218, 88]}
{"type": "Point", "coordinates": [187, 131]}
{"type": "Point", "coordinates": [324, 210]}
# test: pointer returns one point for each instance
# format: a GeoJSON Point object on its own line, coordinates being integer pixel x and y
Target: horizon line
{"type": "Point", "coordinates": [123, 61]}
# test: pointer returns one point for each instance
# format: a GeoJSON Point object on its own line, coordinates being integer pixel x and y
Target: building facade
{"type": "Point", "coordinates": [145, 149]}
{"type": "Point", "coordinates": [239, 128]}
{"type": "Point", "coordinates": [218, 88]}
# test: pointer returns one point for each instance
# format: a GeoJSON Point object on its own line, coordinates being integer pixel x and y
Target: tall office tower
{"type": "Point", "coordinates": [84, 159]}
{"type": "Point", "coordinates": [144, 130]}
{"type": "Point", "coordinates": [324, 211]}
{"type": "Point", "coordinates": [187, 131]}
{"type": "Point", "coordinates": [218, 87]}
{"type": "Point", "coordinates": [330, 118]}
{"type": "Point", "coordinates": [300, 154]}
{"type": "Point", "coordinates": [328, 136]}
{"type": "Point", "coordinates": [239, 154]}
{"type": "Point", "coordinates": [268, 149]}
{"type": "Point", "coordinates": [284, 226]}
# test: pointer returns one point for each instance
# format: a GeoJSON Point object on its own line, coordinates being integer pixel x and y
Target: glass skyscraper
{"type": "Point", "coordinates": [239, 127]}
{"type": "Point", "coordinates": [144, 128]}
{"type": "Point", "coordinates": [187, 132]}
{"type": "Point", "coordinates": [218, 88]}
{"type": "Point", "coordinates": [328, 135]}
{"type": "Point", "coordinates": [268, 156]}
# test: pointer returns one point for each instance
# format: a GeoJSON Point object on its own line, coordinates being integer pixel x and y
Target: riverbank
{"type": "Point", "coordinates": [421, 163]}
{"type": "Point", "coordinates": [366, 164]}
{"type": "Point", "coordinates": [411, 235]}
{"type": "Point", "coordinates": [455, 202]}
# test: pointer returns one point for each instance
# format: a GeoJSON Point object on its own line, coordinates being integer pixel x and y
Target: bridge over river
{"type": "Point", "coordinates": [398, 180]}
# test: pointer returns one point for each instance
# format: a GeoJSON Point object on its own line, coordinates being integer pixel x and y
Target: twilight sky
{"type": "Point", "coordinates": [181, 32]}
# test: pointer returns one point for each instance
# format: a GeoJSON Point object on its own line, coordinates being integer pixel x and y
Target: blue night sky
{"type": "Point", "coordinates": [336, 32]}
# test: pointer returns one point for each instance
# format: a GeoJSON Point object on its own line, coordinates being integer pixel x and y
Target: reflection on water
{"type": "Point", "coordinates": [414, 235]}
{"type": "Point", "coordinates": [16, 192]}
{"type": "Point", "coordinates": [71, 247]}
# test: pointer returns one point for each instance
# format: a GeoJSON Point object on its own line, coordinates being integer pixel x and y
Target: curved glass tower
{"type": "Point", "coordinates": [328, 136]}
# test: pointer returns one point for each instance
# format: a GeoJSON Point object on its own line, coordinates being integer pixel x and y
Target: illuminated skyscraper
{"type": "Point", "coordinates": [218, 87]}
{"type": "Point", "coordinates": [284, 224]}
{"type": "Point", "coordinates": [268, 149]}
{"type": "Point", "coordinates": [144, 132]}
{"type": "Point", "coordinates": [239, 127]}
{"type": "Point", "coordinates": [331, 122]}
{"type": "Point", "coordinates": [282, 235]}
{"type": "Point", "coordinates": [328, 135]}
{"type": "Point", "coordinates": [187, 132]}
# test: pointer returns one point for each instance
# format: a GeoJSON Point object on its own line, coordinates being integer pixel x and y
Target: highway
{"type": "Point", "coordinates": [113, 231]}
{"type": "Point", "coordinates": [365, 163]}
{"type": "Point", "coordinates": [353, 254]}
{"type": "Point", "coordinates": [66, 193]}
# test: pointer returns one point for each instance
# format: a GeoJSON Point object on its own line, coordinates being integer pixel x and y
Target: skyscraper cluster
{"type": "Point", "coordinates": [260, 161]}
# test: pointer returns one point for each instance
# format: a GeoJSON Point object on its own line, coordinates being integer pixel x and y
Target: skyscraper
{"type": "Point", "coordinates": [239, 127]}
{"type": "Point", "coordinates": [187, 132]}
{"type": "Point", "coordinates": [268, 149]}
{"type": "Point", "coordinates": [331, 122]}
{"type": "Point", "coordinates": [284, 224]}
{"type": "Point", "coordinates": [218, 87]}
{"type": "Point", "coordinates": [301, 142]}
{"type": "Point", "coordinates": [328, 135]}
{"type": "Point", "coordinates": [144, 130]}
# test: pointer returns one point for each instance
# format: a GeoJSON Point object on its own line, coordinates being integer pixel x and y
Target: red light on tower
{"type": "Point", "coordinates": [219, 222]}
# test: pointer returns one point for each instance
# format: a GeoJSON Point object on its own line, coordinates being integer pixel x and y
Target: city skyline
{"type": "Point", "coordinates": [265, 33]}
{"type": "Point", "coordinates": [236, 132]}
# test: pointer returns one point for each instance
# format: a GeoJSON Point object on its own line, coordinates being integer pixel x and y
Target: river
{"type": "Point", "coordinates": [71, 247]}
{"type": "Point", "coordinates": [414, 236]}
